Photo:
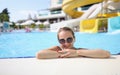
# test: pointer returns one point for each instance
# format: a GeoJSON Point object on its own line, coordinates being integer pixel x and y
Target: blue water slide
{"type": "Point", "coordinates": [113, 24]}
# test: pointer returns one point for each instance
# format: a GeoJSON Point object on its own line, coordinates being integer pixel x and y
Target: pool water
{"type": "Point", "coordinates": [22, 45]}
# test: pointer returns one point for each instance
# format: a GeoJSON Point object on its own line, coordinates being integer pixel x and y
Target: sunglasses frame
{"type": "Point", "coordinates": [68, 40]}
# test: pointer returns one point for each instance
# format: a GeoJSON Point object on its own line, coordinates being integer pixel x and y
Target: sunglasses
{"type": "Point", "coordinates": [68, 40]}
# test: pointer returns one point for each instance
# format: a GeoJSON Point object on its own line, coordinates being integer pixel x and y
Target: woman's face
{"type": "Point", "coordinates": [66, 39]}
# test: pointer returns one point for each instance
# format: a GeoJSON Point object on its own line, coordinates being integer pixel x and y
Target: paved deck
{"type": "Point", "coordinates": [65, 66]}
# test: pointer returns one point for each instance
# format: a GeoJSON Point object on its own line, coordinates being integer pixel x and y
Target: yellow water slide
{"type": "Point", "coordinates": [70, 6]}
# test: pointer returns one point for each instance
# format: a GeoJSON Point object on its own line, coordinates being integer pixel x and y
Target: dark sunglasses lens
{"type": "Point", "coordinates": [62, 41]}
{"type": "Point", "coordinates": [69, 40]}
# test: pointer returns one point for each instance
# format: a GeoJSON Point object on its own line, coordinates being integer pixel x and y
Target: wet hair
{"type": "Point", "coordinates": [65, 29]}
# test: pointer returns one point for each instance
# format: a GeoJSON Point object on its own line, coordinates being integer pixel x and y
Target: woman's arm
{"type": "Point", "coordinates": [56, 52]}
{"type": "Point", "coordinates": [48, 53]}
{"type": "Point", "coordinates": [97, 53]}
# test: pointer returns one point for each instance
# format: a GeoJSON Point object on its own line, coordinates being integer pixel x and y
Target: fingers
{"type": "Point", "coordinates": [64, 53]}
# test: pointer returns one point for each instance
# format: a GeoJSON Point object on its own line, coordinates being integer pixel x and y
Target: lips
{"type": "Point", "coordinates": [65, 47]}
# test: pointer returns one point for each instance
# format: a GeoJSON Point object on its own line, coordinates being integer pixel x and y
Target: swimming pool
{"type": "Point", "coordinates": [23, 45]}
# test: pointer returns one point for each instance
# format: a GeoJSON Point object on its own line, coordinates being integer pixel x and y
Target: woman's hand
{"type": "Point", "coordinates": [68, 53]}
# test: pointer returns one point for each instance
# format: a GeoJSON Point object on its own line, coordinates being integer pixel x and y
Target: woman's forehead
{"type": "Point", "coordinates": [65, 33]}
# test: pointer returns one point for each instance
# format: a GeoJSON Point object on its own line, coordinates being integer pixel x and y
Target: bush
{"type": "Point", "coordinates": [32, 26]}
{"type": "Point", "coordinates": [41, 26]}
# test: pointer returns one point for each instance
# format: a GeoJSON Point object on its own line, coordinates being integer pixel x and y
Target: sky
{"type": "Point", "coordinates": [20, 9]}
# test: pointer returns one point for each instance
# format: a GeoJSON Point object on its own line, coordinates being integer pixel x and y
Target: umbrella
{"type": "Point", "coordinates": [28, 22]}
{"type": "Point", "coordinates": [38, 23]}
{"type": "Point", "coordinates": [17, 24]}
{"type": "Point", "coordinates": [46, 23]}
{"type": "Point", "coordinates": [23, 23]}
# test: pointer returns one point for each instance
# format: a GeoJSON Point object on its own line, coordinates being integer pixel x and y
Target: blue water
{"type": "Point", "coordinates": [21, 44]}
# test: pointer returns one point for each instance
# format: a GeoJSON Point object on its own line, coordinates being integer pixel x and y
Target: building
{"type": "Point", "coordinates": [54, 13]}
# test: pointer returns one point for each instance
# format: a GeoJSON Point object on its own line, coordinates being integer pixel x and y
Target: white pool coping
{"type": "Point", "coordinates": [62, 66]}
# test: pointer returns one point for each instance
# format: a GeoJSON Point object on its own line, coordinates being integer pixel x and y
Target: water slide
{"type": "Point", "coordinates": [72, 3]}
{"type": "Point", "coordinates": [69, 7]}
{"type": "Point", "coordinates": [114, 24]}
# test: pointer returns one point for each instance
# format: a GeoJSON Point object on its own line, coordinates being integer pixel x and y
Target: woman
{"type": "Point", "coordinates": [66, 49]}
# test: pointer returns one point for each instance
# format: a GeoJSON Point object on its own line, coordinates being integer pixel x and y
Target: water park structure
{"type": "Point", "coordinates": [94, 20]}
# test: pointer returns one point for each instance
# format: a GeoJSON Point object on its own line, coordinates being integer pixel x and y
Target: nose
{"type": "Point", "coordinates": [66, 44]}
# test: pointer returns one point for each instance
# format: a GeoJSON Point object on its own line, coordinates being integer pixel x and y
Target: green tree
{"type": "Point", "coordinates": [4, 15]}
